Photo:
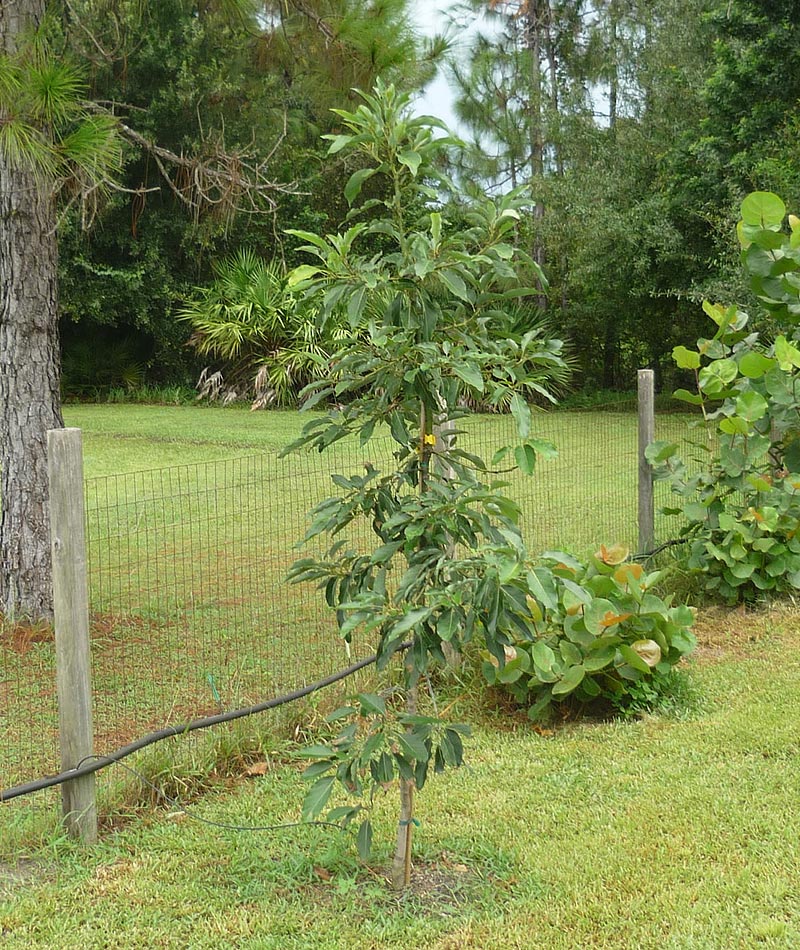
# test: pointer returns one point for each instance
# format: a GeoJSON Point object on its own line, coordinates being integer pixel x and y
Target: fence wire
{"type": "Point", "coordinates": [190, 611]}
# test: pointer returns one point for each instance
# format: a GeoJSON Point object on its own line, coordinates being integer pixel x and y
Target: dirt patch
{"type": "Point", "coordinates": [724, 633]}
{"type": "Point", "coordinates": [23, 636]}
{"type": "Point", "coordinates": [20, 873]}
{"type": "Point", "coordinates": [436, 889]}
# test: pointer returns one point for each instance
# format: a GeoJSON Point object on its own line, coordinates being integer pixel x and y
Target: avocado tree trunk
{"type": "Point", "coordinates": [29, 363]}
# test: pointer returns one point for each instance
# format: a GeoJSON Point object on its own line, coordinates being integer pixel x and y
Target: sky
{"type": "Point", "coordinates": [437, 98]}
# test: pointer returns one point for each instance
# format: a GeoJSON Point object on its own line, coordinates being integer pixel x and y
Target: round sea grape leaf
{"type": "Point", "coordinates": [649, 651]}
{"type": "Point", "coordinates": [632, 658]}
{"type": "Point", "coordinates": [717, 375]}
{"type": "Point", "coordinates": [751, 406]}
{"type": "Point", "coordinates": [599, 659]}
{"type": "Point", "coordinates": [763, 209]}
{"type": "Point", "coordinates": [596, 613]}
{"type": "Point", "coordinates": [686, 359]}
{"type": "Point", "coordinates": [571, 655]}
{"type": "Point", "coordinates": [754, 365]}
{"type": "Point", "coordinates": [570, 681]}
{"type": "Point", "coordinates": [543, 656]}
{"type": "Point", "coordinates": [612, 554]}
{"type": "Point", "coordinates": [734, 426]}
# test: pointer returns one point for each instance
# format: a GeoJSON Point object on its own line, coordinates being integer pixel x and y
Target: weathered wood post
{"type": "Point", "coordinates": [71, 614]}
{"type": "Point", "coordinates": [647, 434]}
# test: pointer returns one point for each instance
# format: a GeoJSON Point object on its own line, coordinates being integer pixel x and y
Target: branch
{"type": "Point", "coordinates": [316, 19]}
{"type": "Point", "coordinates": [228, 182]}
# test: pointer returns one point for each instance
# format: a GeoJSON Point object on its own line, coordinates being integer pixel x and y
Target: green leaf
{"type": "Point", "coordinates": [371, 704]}
{"type": "Point", "coordinates": [526, 458]}
{"type": "Point", "coordinates": [448, 624]}
{"type": "Point", "coordinates": [436, 228]}
{"type": "Point", "coordinates": [544, 448]}
{"type": "Point", "coordinates": [570, 681]}
{"type": "Point", "coordinates": [599, 659]}
{"type": "Point", "coordinates": [339, 142]}
{"type": "Point", "coordinates": [454, 283]}
{"type": "Point", "coordinates": [763, 209]}
{"type": "Point", "coordinates": [316, 752]}
{"type": "Point", "coordinates": [754, 365]}
{"type": "Point", "coordinates": [316, 769]}
{"type": "Point", "coordinates": [632, 658]}
{"type": "Point", "coordinates": [355, 183]}
{"type": "Point", "coordinates": [411, 160]}
{"type": "Point", "coordinates": [735, 426]}
{"type": "Point", "coordinates": [521, 412]}
{"type": "Point", "coordinates": [751, 406]}
{"type": "Point", "coordinates": [410, 620]}
{"type": "Point", "coordinates": [512, 671]}
{"type": "Point", "coordinates": [413, 747]}
{"type": "Point", "coordinates": [571, 655]}
{"type": "Point", "coordinates": [300, 274]}
{"type": "Point", "coordinates": [543, 656]}
{"type": "Point", "coordinates": [596, 613]}
{"type": "Point", "coordinates": [343, 814]}
{"type": "Point", "coordinates": [364, 840]}
{"type": "Point", "coordinates": [685, 396]}
{"type": "Point", "coordinates": [317, 797]}
{"type": "Point", "coordinates": [470, 374]}
{"type": "Point", "coordinates": [686, 359]}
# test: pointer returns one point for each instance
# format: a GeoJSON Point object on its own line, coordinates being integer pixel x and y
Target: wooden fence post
{"type": "Point", "coordinates": [71, 612]}
{"type": "Point", "coordinates": [647, 434]}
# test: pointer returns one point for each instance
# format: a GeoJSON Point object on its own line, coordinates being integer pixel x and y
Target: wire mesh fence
{"type": "Point", "coordinates": [190, 610]}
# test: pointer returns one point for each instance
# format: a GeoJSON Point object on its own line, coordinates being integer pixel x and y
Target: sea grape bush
{"type": "Point", "coordinates": [741, 510]}
{"type": "Point", "coordinates": [593, 630]}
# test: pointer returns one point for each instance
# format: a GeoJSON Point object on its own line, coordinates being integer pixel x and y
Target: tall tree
{"type": "Point", "coordinates": [183, 72]}
{"type": "Point", "coordinates": [29, 369]}
{"type": "Point", "coordinates": [48, 141]}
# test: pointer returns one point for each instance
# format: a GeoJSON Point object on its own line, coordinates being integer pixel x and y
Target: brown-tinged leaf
{"type": "Point", "coordinates": [625, 573]}
{"type": "Point", "coordinates": [649, 651]}
{"type": "Point", "coordinates": [610, 618]}
{"type": "Point", "coordinates": [613, 554]}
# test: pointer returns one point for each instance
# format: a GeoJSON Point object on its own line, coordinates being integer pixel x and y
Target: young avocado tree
{"type": "Point", "coordinates": [429, 315]}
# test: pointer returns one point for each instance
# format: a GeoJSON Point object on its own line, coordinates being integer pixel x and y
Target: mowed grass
{"type": "Point", "coordinates": [677, 831]}
{"type": "Point", "coordinates": [193, 522]}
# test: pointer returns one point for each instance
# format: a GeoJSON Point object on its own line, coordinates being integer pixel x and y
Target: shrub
{"type": "Point", "coordinates": [597, 630]}
{"type": "Point", "coordinates": [742, 509]}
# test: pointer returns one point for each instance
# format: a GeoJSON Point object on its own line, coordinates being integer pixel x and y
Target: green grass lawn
{"type": "Point", "coordinates": [192, 524]}
{"type": "Point", "coordinates": [676, 831]}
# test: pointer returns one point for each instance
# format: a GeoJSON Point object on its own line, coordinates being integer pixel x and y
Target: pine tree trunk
{"type": "Point", "coordinates": [29, 365]}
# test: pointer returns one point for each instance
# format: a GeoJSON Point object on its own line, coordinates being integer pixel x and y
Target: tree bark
{"type": "Point", "coordinates": [30, 401]}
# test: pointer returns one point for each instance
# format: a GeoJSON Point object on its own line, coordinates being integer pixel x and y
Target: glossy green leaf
{"type": "Point", "coordinates": [356, 182]}
{"type": "Point", "coordinates": [754, 365]}
{"type": "Point", "coordinates": [751, 406]}
{"type": "Point", "coordinates": [317, 797]}
{"type": "Point", "coordinates": [410, 159]}
{"type": "Point", "coordinates": [685, 396]}
{"type": "Point", "coordinates": [686, 359]}
{"type": "Point", "coordinates": [364, 840]}
{"type": "Point", "coordinates": [526, 458]}
{"type": "Point", "coordinates": [763, 209]}
{"type": "Point", "coordinates": [570, 681]}
{"type": "Point", "coordinates": [521, 412]}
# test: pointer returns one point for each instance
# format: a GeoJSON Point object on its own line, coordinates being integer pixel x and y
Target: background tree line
{"type": "Point", "coordinates": [638, 127]}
